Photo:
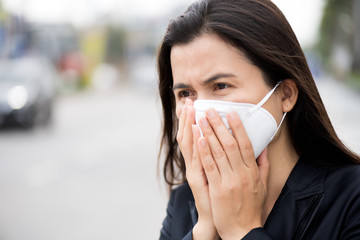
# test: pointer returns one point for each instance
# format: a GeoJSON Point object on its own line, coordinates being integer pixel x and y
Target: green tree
{"type": "Point", "coordinates": [115, 45]}
{"type": "Point", "coordinates": [340, 27]}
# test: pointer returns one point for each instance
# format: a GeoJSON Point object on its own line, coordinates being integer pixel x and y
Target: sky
{"type": "Point", "coordinates": [304, 15]}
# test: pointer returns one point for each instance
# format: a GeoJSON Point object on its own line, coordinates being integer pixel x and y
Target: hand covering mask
{"type": "Point", "coordinates": [259, 124]}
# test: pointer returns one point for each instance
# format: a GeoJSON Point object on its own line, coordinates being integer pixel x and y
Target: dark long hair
{"type": "Point", "coordinates": [260, 30]}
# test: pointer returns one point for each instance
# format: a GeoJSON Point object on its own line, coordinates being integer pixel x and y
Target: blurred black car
{"type": "Point", "coordinates": [27, 91]}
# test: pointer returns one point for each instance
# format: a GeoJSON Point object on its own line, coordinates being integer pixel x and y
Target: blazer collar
{"type": "Point", "coordinates": [298, 202]}
{"type": "Point", "coordinates": [306, 179]}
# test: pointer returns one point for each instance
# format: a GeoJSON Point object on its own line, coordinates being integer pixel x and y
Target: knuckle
{"type": "Point", "coordinates": [250, 153]}
{"type": "Point", "coordinates": [247, 147]}
{"type": "Point", "coordinates": [209, 167]}
{"type": "Point", "coordinates": [228, 191]}
{"type": "Point", "coordinates": [231, 187]}
{"type": "Point", "coordinates": [231, 145]}
{"type": "Point", "coordinates": [216, 122]}
{"type": "Point", "coordinates": [219, 153]}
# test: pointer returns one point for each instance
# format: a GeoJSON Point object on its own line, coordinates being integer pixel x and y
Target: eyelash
{"type": "Point", "coordinates": [215, 87]}
{"type": "Point", "coordinates": [180, 94]}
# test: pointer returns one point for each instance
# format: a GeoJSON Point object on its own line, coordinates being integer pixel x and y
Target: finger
{"type": "Point", "coordinates": [187, 137]}
{"type": "Point", "coordinates": [264, 167]}
{"type": "Point", "coordinates": [216, 149]}
{"type": "Point", "coordinates": [182, 120]}
{"type": "Point", "coordinates": [190, 120]}
{"type": "Point", "coordinates": [196, 162]}
{"type": "Point", "coordinates": [227, 141]}
{"type": "Point", "coordinates": [239, 132]}
{"type": "Point", "coordinates": [209, 165]}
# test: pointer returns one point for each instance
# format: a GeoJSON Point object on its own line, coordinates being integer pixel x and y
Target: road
{"type": "Point", "coordinates": [92, 174]}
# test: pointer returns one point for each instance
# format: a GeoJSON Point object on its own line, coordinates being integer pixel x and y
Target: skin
{"type": "Point", "coordinates": [234, 192]}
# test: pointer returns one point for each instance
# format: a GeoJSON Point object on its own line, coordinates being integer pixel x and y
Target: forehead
{"type": "Point", "coordinates": [205, 56]}
{"type": "Point", "coordinates": [206, 45]}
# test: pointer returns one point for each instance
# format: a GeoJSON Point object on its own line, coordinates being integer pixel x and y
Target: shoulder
{"type": "Point", "coordinates": [181, 193]}
{"type": "Point", "coordinates": [342, 186]}
{"type": "Point", "coordinates": [179, 220]}
{"type": "Point", "coordinates": [338, 183]}
{"type": "Point", "coordinates": [342, 189]}
{"type": "Point", "coordinates": [181, 198]}
{"type": "Point", "coordinates": [347, 176]}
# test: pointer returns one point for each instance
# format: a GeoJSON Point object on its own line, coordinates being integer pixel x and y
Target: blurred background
{"type": "Point", "coordinates": [80, 116]}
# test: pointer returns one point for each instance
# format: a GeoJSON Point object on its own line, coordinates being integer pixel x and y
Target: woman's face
{"type": "Point", "coordinates": [209, 68]}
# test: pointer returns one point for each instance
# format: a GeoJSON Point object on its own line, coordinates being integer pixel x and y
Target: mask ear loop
{"type": "Point", "coordinates": [267, 96]}
{"type": "Point", "coordinates": [282, 119]}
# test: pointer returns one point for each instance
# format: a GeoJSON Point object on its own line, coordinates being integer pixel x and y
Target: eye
{"type": "Point", "coordinates": [184, 94]}
{"type": "Point", "coordinates": [220, 86]}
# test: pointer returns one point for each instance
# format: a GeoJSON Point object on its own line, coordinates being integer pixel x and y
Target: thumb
{"type": "Point", "coordinates": [264, 167]}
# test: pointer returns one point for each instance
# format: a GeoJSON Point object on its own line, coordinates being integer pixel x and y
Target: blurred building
{"type": "Point", "coordinates": [14, 36]}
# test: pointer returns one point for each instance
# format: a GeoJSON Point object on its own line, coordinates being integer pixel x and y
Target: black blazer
{"type": "Point", "coordinates": [315, 203]}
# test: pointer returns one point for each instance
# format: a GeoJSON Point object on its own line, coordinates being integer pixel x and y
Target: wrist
{"type": "Point", "coordinates": [236, 235]}
{"type": "Point", "coordinates": [204, 231]}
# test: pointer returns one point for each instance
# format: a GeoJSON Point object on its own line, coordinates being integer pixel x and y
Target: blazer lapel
{"type": "Point", "coordinates": [297, 203]}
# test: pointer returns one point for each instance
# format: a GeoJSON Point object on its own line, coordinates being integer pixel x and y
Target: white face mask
{"type": "Point", "coordinates": [259, 124]}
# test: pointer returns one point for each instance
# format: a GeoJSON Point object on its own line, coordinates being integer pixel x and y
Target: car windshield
{"type": "Point", "coordinates": [23, 71]}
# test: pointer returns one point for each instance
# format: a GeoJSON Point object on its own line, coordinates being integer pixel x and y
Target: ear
{"type": "Point", "coordinates": [289, 93]}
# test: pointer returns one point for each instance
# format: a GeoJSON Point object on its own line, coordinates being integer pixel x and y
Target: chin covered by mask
{"type": "Point", "coordinates": [259, 124]}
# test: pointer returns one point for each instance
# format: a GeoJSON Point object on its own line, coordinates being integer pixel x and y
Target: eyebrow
{"type": "Point", "coordinates": [206, 82]}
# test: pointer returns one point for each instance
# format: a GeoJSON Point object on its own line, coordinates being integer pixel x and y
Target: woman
{"type": "Point", "coordinates": [303, 185]}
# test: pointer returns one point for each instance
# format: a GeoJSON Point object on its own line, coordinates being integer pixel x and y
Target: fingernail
{"type": "Point", "coordinates": [211, 113]}
{"type": "Point", "coordinates": [233, 115]}
{"type": "Point", "coordinates": [204, 122]}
